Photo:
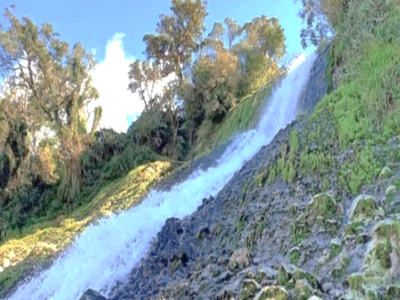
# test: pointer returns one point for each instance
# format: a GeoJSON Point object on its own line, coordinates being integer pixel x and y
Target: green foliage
{"type": "Point", "coordinates": [294, 145]}
{"type": "Point", "coordinates": [4, 169]}
{"type": "Point", "coordinates": [321, 17]}
{"type": "Point", "coordinates": [56, 89]}
{"type": "Point", "coordinates": [178, 36]}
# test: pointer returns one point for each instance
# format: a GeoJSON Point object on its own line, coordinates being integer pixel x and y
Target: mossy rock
{"type": "Point", "coordinates": [390, 193]}
{"type": "Point", "coordinates": [272, 292]}
{"type": "Point", "coordinates": [249, 288]}
{"type": "Point", "coordinates": [356, 281]}
{"type": "Point", "coordinates": [335, 248]}
{"type": "Point", "coordinates": [393, 292]}
{"type": "Point", "coordinates": [363, 207]}
{"type": "Point", "coordinates": [322, 205]}
{"type": "Point", "coordinates": [284, 274]}
{"type": "Point", "coordinates": [383, 253]}
{"type": "Point", "coordinates": [385, 173]}
{"type": "Point", "coordinates": [303, 290]}
{"type": "Point", "coordinates": [298, 274]}
{"type": "Point", "coordinates": [294, 255]}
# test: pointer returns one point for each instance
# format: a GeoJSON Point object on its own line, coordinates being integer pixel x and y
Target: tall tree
{"type": "Point", "coordinates": [234, 30]}
{"type": "Point", "coordinates": [144, 76]}
{"type": "Point", "coordinates": [178, 36]}
{"type": "Point", "coordinates": [321, 18]}
{"type": "Point", "coordinates": [259, 50]}
{"type": "Point", "coordinates": [59, 84]}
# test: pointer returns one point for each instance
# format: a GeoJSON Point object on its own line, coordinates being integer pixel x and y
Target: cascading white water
{"type": "Point", "coordinates": [106, 253]}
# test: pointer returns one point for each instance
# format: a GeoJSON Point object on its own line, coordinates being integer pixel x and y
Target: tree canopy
{"type": "Point", "coordinates": [56, 85]}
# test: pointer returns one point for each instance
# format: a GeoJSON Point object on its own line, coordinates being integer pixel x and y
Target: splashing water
{"type": "Point", "coordinates": [107, 252]}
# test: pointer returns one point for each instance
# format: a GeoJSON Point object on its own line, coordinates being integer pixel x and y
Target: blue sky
{"type": "Point", "coordinates": [114, 31]}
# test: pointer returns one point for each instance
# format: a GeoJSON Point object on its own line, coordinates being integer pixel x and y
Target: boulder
{"type": "Point", "coordinates": [385, 173]}
{"type": "Point", "coordinates": [364, 206]}
{"type": "Point", "coordinates": [92, 295]}
{"type": "Point", "coordinates": [240, 259]}
{"type": "Point", "coordinates": [272, 292]}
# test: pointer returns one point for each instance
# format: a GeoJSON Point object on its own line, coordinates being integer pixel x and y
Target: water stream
{"type": "Point", "coordinates": [106, 252]}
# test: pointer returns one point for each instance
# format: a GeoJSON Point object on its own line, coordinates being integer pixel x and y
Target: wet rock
{"type": "Point", "coordinates": [249, 288]}
{"type": "Point", "coordinates": [303, 290]}
{"type": "Point", "coordinates": [327, 287]}
{"type": "Point", "coordinates": [317, 86]}
{"type": "Point", "coordinates": [240, 259]}
{"type": "Point", "coordinates": [272, 292]}
{"type": "Point", "coordinates": [336, 294]}
{"type": "Point", "coordinates": [92, 295]}
{"type": "Point", "coordinates": [336, 242]}
{"type": "Point", "coordinates": [265, 273]}
{"type": "Point", "coordinates": [225, 276]}
{"type": "Point", "coordinates": [226, 294]}
{"type": "Point", "coordinates": [203, 232]}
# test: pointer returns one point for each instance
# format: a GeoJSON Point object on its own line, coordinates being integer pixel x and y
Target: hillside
{"type": "Point", "coordinates": [315, 214]}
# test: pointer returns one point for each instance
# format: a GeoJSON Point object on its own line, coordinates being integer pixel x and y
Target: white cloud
{"type": "Point", "coordinates": [111, 80]}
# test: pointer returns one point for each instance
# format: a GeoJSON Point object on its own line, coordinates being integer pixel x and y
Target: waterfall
{"type": "Point", "coordinates": [106, 252]}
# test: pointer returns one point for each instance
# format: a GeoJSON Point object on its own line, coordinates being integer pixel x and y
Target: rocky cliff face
{"type": "Point", "coordinates": [280, 239]}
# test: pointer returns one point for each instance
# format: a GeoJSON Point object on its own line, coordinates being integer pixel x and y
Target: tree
{"type": "Point", "coordinates": [321, 17]}
{"type": "Point", "coordinates": [261, 47]}
{"type": "Point", "coordinates": [216, 81]}
{"type": "Point", "coordinates": [179, 36]}
{"type": "Point", "coordinates": [234, 30]}
{"type": "Point", "coordinates": [144, 76]}
{"type": "Point", "coordinates": [59, 85]}
{"type": "Point", "coordinates": [15, 120]}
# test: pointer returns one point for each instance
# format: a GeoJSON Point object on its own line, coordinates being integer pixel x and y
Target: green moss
{"type": "Point", "coordinates": [260, 178]}
{"type": "Point", "coordinates": [355, 281]}
{"type": "Point", "coordinates": [316, 162]}
{"type": "Point", "coordinates": [240, 224]}
{"type": "Point", "coordinates": [357, 112]}
{"type": "Point", "coordinates": [300, 229]}
{"type": "Point", "coordinates": [294, 255]}
{"type": "Point", "coordinates": [218, 229]}
{"type": "Point", "coordinates": [294, 145]}
{"type": "Point", "coordinates": [291, 174]}
{"type": "Point", "coordinates": [272, 174]}
{"type": "Point", "coordinates": [359, 171]}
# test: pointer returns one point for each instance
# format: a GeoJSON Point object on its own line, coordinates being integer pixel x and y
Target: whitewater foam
{"type": "Point", "coordinates": [105, 253]}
